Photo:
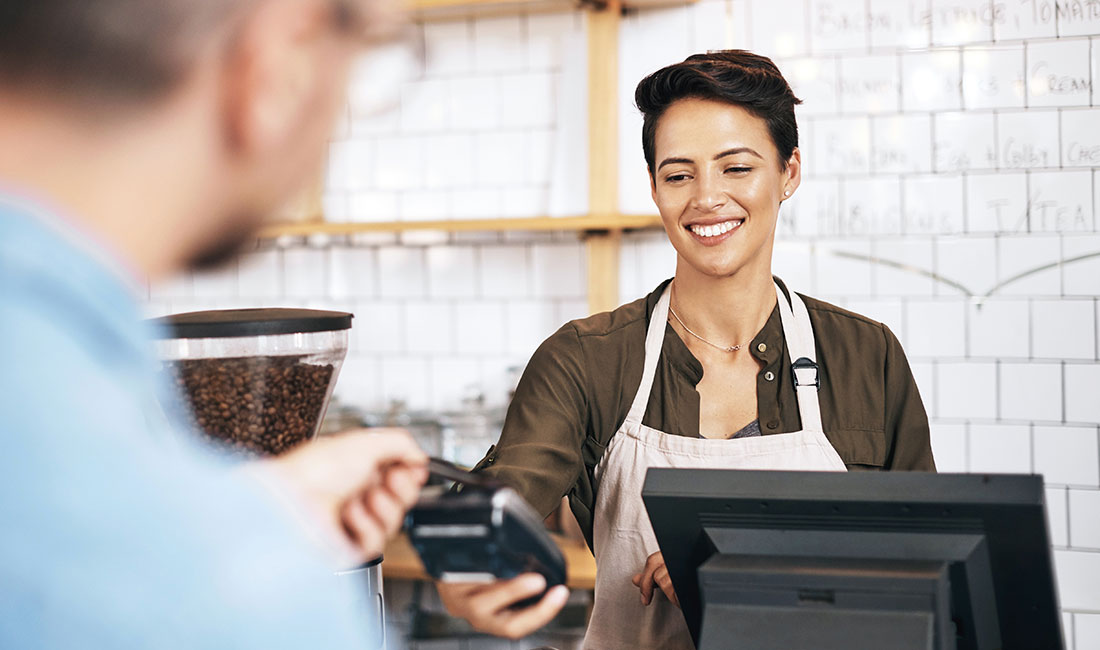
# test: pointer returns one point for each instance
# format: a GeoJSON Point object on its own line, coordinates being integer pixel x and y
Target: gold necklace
{"type": "Point", "coordinates": [724, 348]}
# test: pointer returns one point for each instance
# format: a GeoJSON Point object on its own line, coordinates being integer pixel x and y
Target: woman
{"type": "Point", "coordinates": [699, 373]}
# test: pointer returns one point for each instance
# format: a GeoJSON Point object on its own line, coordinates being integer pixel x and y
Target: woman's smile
{"type": "Point", "coordinates": [712, 233]}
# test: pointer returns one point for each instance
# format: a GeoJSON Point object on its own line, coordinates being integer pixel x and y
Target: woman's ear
{"type": "Point", "coordinates": [793, 174]}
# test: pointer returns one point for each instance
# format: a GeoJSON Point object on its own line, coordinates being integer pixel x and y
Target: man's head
{"type": "Point", "coordinates": [218, 110]}
{"type": "Point", "coordinates": [108, 51]}
{"type": "Point", "coordinates": [736, 77]}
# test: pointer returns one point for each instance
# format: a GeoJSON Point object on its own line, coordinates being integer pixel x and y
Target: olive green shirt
{"type": "Point", "coordinates": [579, 385]}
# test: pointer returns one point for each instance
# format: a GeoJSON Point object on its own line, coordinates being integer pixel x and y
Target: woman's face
{"type": "Point", "coordinates": [718, 184]}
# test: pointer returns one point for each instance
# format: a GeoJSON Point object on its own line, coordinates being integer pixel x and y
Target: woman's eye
{"type": "Point", "coordinates": [738, 170]}
{"type": "Point", "coordinates": [676, 178]}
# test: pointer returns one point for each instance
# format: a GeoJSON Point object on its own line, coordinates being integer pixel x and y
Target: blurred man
{"type": "Point", "coordinates": [139, 138]}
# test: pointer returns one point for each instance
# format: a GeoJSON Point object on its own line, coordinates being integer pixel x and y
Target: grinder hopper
{"type": "Point", "coordinates": [256, 380]}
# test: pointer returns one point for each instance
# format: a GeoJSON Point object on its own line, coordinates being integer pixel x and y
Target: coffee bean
{"type": "Point", "coordinates": [261, 406]}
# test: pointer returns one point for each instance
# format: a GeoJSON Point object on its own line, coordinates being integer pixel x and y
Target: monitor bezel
{"type": "Point", "coordinates": [680, 501]}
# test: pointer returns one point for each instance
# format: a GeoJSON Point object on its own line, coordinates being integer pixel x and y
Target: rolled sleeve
{"type": "Point", "coordinates": [539, 452]}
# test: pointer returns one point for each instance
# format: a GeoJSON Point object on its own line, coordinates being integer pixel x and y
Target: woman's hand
{"type": "Point", "coordinates": [486, 606]}
{"type": "Point", "coordinates": [655, 573]}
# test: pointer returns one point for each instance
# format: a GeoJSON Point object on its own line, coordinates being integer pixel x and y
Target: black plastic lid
{"type": "Point", "coordinates": [227, 323]}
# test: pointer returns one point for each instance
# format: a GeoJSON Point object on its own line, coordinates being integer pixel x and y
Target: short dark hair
{"type": "Point", "coordinates": [737, 77]}
{"type": "Point", "coordinates": [114, 49]}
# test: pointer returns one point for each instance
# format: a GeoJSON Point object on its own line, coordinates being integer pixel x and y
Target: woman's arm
{"type": "Point", "coordinates": [907, 435]}
{"type": "Point", "coordinates": [539, 451]}
{"type": "Point", "coordinates": [538, 455]}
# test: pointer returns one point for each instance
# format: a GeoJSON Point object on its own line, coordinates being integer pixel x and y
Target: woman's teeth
{"type": "Point", "coordinates": [716, 229]}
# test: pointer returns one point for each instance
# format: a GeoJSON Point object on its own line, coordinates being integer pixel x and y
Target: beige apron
{"type": "Point", "coordinates": [622, 535]}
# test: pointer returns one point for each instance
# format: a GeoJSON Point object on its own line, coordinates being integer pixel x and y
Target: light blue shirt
{"type": "Point", "coordinates": [115, 530]}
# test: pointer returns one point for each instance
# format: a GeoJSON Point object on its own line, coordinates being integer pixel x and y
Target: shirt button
{"type": "Point", "coordinates": [773, 424]}
{"type": "Point", "coordinates": [763, 347]}
{"type": "Point", "coordinates": [769, 376]}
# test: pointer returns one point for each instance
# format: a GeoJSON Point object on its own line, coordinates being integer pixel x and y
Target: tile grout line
{"type": "Point", "coordinates": [997, 390]}
{"type": "Point", "coordinates": [966, 449]}
{"type": "Point", "coordinates": [1062, 377]}
{"type": "Point", "coordinates": [1069, 513]}
{"type": "Point", "coordinates": [808, 26]}
{"type": "Point", "coordinates": [1027, 80]}
{"type": "Point", "coordinates": [1030, 329]}
{"type": "Point", "coordinates": [1031, 448]}
{"type": "Point", "coordinates": [1061, 152]}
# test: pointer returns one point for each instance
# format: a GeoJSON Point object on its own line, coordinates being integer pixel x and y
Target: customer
{"type": "Point", "coordinates": [139, 138]}
{"type": "Point", "coordinates": [723, 366]}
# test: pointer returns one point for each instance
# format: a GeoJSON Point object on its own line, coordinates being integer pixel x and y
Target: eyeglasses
{"type": "Point", "coordinates": [393, 53]}
{"type": "Point", "coordinates": [372, 22]}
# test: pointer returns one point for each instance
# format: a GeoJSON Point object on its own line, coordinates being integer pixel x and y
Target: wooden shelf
{"type": "Point", "coordinates": [448, 9]}
{"type": "Point", "coordinates": [445, 9]}
{"type": "Point", "coordinates": [604, 227]}
{"type": "Point", "coordinates": [583, 223]}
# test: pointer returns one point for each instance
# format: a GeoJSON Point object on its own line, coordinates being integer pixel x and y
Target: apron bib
{"type": "Point", "coordinates": [622, 535]}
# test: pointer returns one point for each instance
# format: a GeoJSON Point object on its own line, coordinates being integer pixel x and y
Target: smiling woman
{"type": "Point", "coordinates": [718, 187]}
{"type": "Point", "coordinates": [722, 366]}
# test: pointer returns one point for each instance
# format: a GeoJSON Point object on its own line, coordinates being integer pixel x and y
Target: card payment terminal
{"type": "Point", "coordinates": [480, 533]}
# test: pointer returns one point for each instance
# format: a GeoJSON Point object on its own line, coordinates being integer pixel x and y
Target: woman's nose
{"type": "Point", "coordinates": [708, 195]}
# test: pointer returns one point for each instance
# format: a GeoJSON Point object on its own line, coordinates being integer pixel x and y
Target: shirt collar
{"type": "Point", "coordinates": [767, 345]}
{"type": "Point", "coordinates": [50, 254]}
{"type": "Point", "coordinates": [51, 217]}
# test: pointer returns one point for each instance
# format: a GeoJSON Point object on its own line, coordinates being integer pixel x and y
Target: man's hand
{"type": "Point", "coordinates": [486, 606]}
{"type": "Point", "coordinates": [655, 573]}
{"type": "Point", "coordinates": [351, 490]}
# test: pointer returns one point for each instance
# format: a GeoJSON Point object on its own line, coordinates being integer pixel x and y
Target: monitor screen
{"type": "Point", "coordinates": [804, 555]}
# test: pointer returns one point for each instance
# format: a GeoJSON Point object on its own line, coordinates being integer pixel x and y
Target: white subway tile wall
{"type": "Point", "coordinates": [1057, 508]}
{"type": "Point", "coordinates": [952, 164]}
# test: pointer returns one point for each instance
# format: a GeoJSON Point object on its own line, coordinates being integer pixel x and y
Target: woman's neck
{"type": "Point", "coordinates": [729, 310]}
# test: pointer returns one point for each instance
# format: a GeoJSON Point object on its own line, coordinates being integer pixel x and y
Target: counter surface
{"type": "Point", "coordinates": [401, 562]}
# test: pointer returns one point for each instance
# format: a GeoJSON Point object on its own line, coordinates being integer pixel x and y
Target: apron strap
{"type": "Point", "coordinates": [654, 340]}
{"type": "Point", "coordinates": [799, 334]}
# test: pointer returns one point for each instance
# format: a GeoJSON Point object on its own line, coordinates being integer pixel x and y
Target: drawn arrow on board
{"type": "Point", "coordinates": [908, 268]}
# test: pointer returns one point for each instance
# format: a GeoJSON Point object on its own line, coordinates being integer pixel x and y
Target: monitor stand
{"type": "Point", "coordinates": [755, 602]}
{"type": "Point", "coordinates": [971, 600]}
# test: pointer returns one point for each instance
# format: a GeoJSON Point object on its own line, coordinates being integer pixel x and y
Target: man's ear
{"type": "Point", "coordinates": [270, 71]}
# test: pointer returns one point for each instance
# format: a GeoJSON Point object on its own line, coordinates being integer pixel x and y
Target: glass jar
{"type": "Point", "coordinates": [257, 381]}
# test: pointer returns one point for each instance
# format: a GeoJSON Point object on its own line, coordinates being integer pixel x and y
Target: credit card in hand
{"type": "Point", "coordinates": [451, 472]}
